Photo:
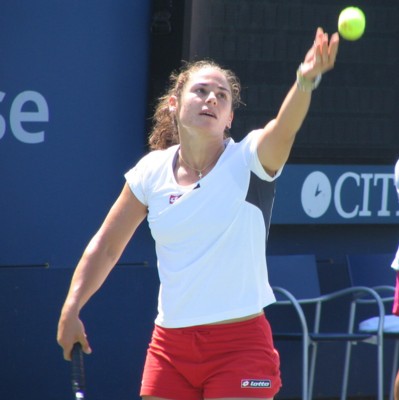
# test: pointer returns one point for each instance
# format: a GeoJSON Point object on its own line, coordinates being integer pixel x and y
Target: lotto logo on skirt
{"type": "Point", "coordinates": [256, 383]}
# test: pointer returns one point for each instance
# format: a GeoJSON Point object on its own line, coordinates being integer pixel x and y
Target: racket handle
{"type": "Point", "coordinates": [78, 375]}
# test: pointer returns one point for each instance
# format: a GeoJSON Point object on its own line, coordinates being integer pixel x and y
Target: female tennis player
{"type": "Point", "coordinates": [211, 339]}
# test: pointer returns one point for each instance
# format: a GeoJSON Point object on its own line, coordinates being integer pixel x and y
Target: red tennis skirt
{"type": "Point", "coordinates": [212, 361]}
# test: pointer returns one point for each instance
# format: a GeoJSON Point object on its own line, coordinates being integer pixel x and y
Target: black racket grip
{"type": "Point", "coordinates": [78, 374]}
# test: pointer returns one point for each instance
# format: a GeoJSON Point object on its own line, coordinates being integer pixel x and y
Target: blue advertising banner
{"type": "Point", "coordinates": [73, 104]}
{"type": "Point", "coordinates": [336, 194]}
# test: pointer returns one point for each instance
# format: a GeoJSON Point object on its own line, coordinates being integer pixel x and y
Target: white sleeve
{"type": "Point", "coordinates": [135, 180]}
{"type": "Point", "coordinates": [250, 143]}
{"type": "Point", "coordinates": [395, 262]}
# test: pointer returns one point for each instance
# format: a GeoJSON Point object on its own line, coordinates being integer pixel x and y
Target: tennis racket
{"type": "Point", "coordinates": [78, 373]}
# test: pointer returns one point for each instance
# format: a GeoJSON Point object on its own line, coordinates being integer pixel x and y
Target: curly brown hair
{"type": "Point", "coordinates": [164, 132]}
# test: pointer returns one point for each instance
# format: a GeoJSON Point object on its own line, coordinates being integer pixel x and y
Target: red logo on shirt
{"type": "Point", "coordinates": [173, 198]}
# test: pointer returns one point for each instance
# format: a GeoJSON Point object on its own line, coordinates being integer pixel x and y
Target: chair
{"type": "Point", "coordinates": [373, 270]}
{"type": "Point", "coordinates": [294, 279]}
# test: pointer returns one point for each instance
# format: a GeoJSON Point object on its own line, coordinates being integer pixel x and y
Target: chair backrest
{"type": "Point", "coordinates": [296, 273]}
{"type": "Point", "coordinates": [371, 269]}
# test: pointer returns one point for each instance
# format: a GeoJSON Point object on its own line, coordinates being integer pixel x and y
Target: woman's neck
{"type": "Point", "coordinates": [195, 160]}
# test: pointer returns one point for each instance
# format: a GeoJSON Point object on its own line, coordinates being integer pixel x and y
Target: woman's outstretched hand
{"type": "Point", "coordinates": [321, 56]}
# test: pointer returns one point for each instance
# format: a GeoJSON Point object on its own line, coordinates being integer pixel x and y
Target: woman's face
{"type": "Point", "coordinates": [205, 103]}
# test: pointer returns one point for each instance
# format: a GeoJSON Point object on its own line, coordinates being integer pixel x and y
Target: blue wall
{"type": "Point", "coordinates": [73, 90]}
{"type": "Point", "coordinates": [118, 321]}
{"type": "Point", "coordinates": [73, 98]}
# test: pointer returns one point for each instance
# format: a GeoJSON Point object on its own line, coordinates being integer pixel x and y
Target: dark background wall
{"type": "Point", "coordinates": [354, 115]}
{"type": "Point", "coordinates": [80, 79]}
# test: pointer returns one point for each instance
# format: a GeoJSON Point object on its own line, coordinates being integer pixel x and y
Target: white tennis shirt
{"type": "Point", "coordinates": [210, 241]}
{"type": "Point", "coordinates": [395, 262]}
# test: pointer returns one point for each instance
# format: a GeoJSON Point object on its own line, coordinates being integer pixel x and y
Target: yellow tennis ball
{"type": "Point", "coordinates": [351, 23]}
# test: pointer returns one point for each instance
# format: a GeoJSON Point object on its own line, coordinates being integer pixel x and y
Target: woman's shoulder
{"type": "Point", "coordinates": [151, 163]}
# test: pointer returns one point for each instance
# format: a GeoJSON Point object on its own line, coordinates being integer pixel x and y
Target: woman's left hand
{"type": "Point", "coordinates": [321, 57]}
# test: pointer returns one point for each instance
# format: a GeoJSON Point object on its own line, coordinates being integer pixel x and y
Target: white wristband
{"type": "Point", "coordinates": [304, 84]}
